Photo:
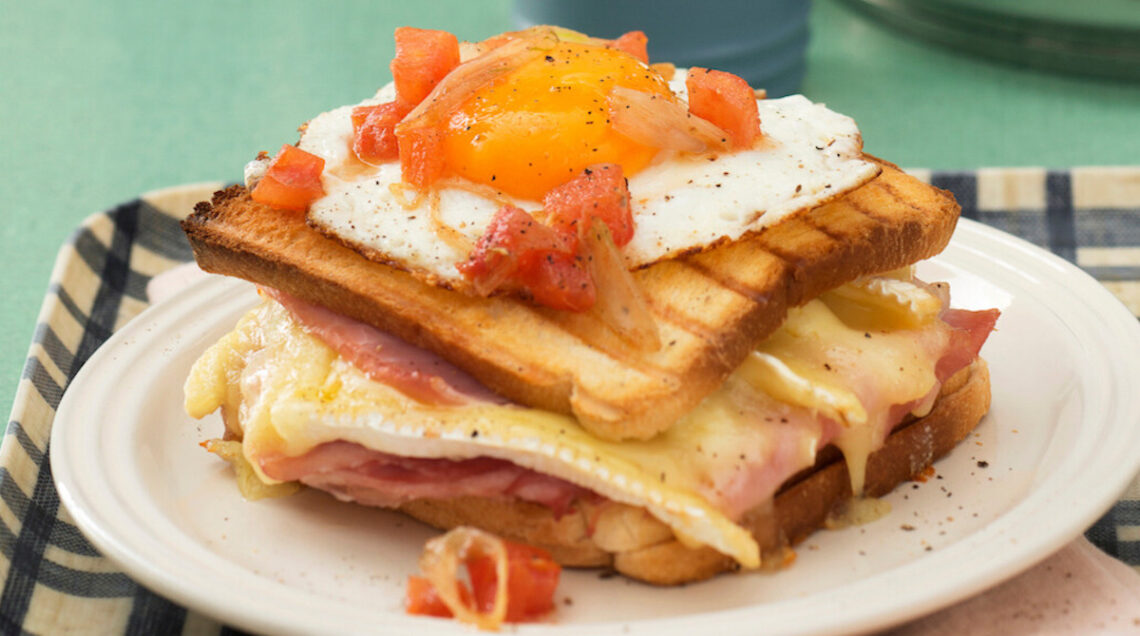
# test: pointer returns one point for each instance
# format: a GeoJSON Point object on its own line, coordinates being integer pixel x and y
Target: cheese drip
{"type": "Point", "coordinates": [817, 379]}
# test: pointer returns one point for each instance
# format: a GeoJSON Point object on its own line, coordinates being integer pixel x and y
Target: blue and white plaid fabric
{"type": "Point", "coordinates": [55, 581]}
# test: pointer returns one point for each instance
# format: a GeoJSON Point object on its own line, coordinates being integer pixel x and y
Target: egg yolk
{"type": "Point", "coordinates": [543, 123]}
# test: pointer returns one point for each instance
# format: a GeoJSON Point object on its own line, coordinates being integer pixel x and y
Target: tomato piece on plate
{"type": "Point", "coordinates": [374, 131]}
{"type": "Point", "coordinates": [516, 251]}
{"type": "Point", "coordinates": [635, 43]}
{"type": "Point", "coordinates": [421, 598]}
{"type": "Point", "coordinates": [423, 58]}
{"type": "Point", "coordinates": [727, 101]}
{"type": "Point", "coordinates": [599, 192]}
{"type": "Point", "coordinates": [532, 577]}
{"type": "Point", "coordinates": [292, 181]}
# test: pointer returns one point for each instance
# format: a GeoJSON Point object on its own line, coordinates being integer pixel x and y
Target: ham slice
{"type": "Point", "coordinates": [355, 473]}
{"type": "Point", "coordinates": [416, 372]}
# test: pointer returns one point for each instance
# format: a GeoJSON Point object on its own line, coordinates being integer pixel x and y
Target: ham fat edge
{"type": "Point", "coordinates": [338, 405]}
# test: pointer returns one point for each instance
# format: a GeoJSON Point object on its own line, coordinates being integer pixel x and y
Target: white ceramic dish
{"type": "Point", "coordinates": [1058, 447]}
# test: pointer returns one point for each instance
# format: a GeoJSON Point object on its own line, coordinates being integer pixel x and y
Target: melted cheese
{"type": "Point", "coordinates": [291, 393]}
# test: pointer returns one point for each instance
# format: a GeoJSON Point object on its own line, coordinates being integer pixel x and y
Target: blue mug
{"type": "Point", "coordinates": [763, 41]}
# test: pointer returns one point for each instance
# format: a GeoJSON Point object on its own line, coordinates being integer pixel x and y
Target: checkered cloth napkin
{"type": "Point", "coordinates": [55, 581]}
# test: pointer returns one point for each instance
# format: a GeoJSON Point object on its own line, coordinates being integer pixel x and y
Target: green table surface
{"type": "Point", "coordinates": [101, 101]}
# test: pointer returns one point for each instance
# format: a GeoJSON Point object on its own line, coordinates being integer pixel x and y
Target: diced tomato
{"type": "Point", "coordinates": [601, 191]}
{"type": "Point", "coordinates": [532, 577]}
{"type": "Point", "coordinates": [558, 280]}
{"type": "Point", "coordinates": [421, 155]}
{"type": "Point", "coordinates": [421, 598]}
{"type": "Point", "coordinates": [292, 182]}
{"type": "Point", "coordinates": [374, 131]}
{"type": "Point", "coordinates": [423, 58]}
{"type": "Point", "coordinates": [494, 260]}
{"type": "Point", "coordinates": [635, 43]}
{"type": "Point", "coordinates": [518, 251]}
{"type": "Point", "coordinates": [727, 101]}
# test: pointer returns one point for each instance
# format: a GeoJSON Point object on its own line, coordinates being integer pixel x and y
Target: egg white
{"type": "Point", "coordinates": [682, 203]}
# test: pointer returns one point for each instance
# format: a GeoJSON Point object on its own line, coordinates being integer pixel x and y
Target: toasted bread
{"type": "Point", "coordinates": [711, 308]}
{"type": "Point", "coordinates": [647, 551]}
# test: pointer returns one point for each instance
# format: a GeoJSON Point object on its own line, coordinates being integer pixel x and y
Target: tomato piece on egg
{"type": "Point", "coordinates": [599, 192]}
{"type": "Point", "coordinates": [421, 160]}
{"type": "Point", "coordinates": [423, 58]}
{"type": "Point", "coordinates": [292, 181]}
{"type": "Point", "coordinates": [532, 577]}
{"type": "Point", "coordinates": [516, 251]}
{"type": "Point", "coordinates": [635, 43]}
{"type": "Point", "coordinates": [727, 101]}
{"type": "Point", "coordinates": [374, 131]}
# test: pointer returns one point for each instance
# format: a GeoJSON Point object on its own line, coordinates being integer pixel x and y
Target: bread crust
{"type": "Point", "coordinates": [711, 308]}
{"type": "Point", "coordinates": [800, 508]}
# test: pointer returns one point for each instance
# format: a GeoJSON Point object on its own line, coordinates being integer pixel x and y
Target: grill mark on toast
{"type": "Point", "coordinates": [798, 267]}
{"type": "Point", "coordinates": [757, 296]}
{"type": "Point", "coordinates": [824, 228]}
{"type": "Point", "coordinates": [592, 333]}
{"type": "Point", "coordinates": [894, 194]}
{"type": "Point", "coordinates": [859, 207]}
{"type": "Point", "coordinates": [667, 314]}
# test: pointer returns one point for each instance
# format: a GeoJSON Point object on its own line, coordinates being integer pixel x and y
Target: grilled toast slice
{"type": "Point", "coordinates": [711, 308]}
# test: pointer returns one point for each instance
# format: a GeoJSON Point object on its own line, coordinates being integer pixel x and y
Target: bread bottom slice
{"type": "Point", "coordinates": [802, 506]}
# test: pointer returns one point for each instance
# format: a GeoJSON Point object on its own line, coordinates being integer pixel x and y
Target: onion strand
{"type": "Point", "coordinates": [658, 121]}
{"type": "Point", "coordinates": [440, 563]}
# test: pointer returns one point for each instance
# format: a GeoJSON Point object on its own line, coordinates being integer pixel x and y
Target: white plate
{"type": "Point", "coordinates": [1058, 447]}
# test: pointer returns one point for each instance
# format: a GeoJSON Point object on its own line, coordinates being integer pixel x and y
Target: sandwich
{"type": "Point", "coordinates": [640, 317]}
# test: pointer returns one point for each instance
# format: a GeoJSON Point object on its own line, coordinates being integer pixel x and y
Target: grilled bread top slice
{"type": "Point", "coordinates": [711, 308]}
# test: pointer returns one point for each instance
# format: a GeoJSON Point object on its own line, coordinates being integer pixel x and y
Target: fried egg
{"type": "Point", "coordinates": [540, 126]}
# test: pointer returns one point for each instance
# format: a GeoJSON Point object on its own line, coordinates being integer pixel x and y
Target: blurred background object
{"type": "Point", "coordinates": [763, 41]}
{"type": "Point", "coordinates": [1100, 38]}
